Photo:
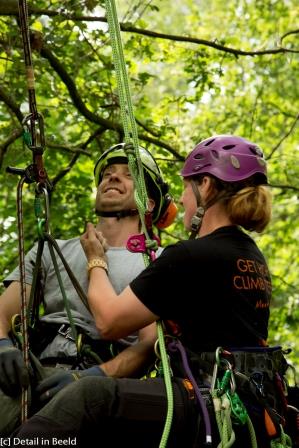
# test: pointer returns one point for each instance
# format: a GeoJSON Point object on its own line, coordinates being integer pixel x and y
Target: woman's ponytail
{"type": "Point", "coordinates": [250, 207]}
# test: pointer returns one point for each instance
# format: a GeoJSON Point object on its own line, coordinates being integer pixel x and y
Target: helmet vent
{"type": "Point", "coordinates": [210, 141]}
{"type": "Point", "coordinates": [262, 162]}
{"type": "Point", "coordinates": [200, 167]}
{"type": "Point", "coordinates": [215, 153]}
{"type": "Point", "coordinates": [198, 156]}
{"type": "Point", "coordinates": [228, 146]}
{"type": "Point", "coordinates": [256, 151]}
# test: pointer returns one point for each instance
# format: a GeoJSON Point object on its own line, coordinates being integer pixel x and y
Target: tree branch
{"type": "Point", "coordinates": [65, 170]}
{"type": "Point", "coordinates": [12, 9]}
{"type": "Point", "coordinates": [284, 187]}
{"type": "Point", "coordinates": [288, 34]}
{"type": "Point", "coordinates": [69, 83]}
{"type": "Point", "coordinates": [74, 159]}
{"type": "Point", "coordinates": [70, 149]}
{"type": "Point", "coordinates": [9, 101]}
{"type": "Point", "coordinates": [283, 138]}
{"type": "Point", "coordinates": [16, 133]}
{"type": "Point", "coordinates": [79, 104]}
{"type": "Point", "coordinates": [207, 43]}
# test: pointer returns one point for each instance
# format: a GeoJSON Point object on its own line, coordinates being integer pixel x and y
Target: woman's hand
{"type": "Point", "coordinates": [93, 243]}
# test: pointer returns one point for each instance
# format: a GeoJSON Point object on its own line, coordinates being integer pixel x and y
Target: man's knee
{"type": "Point", "coordinates": [99, 396]}
{"type": "Point", "coordinates": [89, 398]}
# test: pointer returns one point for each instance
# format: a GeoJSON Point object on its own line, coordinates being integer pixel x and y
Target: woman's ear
{"type": "Point", "coordinates": [207, 189]}
{"type": "Point", "coordinates": [150, 204]}
{"type": "Point", "coordinates": [208, 184]}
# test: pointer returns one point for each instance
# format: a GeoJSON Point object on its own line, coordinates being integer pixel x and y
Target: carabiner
{"type": "Point", "coordinates": [214, 377]}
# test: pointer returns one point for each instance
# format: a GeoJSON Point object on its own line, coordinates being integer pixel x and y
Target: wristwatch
{"type": "Point", "coordinates": [97, 263]}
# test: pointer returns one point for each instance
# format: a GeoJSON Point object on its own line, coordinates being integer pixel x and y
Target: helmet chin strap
{"type": "Point", "coordinates": [199, 214]}
{"type": "Point", "coordinates": [117, 214]}
{"type": "Point", "coordinates": [197, 218]}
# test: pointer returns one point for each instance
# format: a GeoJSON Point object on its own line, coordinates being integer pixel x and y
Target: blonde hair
{"type": "Point", "coordinates": [251, 207]}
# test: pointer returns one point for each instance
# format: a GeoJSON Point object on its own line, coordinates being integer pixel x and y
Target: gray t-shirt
{"type": "Point", "coordinates": [124, 266]}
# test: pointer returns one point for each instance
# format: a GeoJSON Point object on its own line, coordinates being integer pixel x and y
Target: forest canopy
{"type": "Point", "coordinates": [195, 69]}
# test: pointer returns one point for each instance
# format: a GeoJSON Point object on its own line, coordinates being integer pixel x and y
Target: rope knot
{"type": "Point", "coordinates": [151, 244]}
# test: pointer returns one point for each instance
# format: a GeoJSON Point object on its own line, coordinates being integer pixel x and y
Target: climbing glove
{"type": "Point", "coordinates": [53, 384]}
{"type": "Point", "coordinates": [13, 372]}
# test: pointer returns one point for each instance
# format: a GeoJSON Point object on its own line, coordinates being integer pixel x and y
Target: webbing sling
{"type": "Point", "coordinates": [136, 168]}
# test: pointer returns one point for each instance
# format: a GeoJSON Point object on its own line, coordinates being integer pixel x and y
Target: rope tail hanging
{"type": "Point", "coordinates": [25, 345]}
{"type": "Point", "coordinates": [135, 165]}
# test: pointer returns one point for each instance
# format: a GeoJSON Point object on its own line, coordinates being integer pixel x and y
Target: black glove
{"type": "Point", "coordinates": [13, 372]}
{"type": "Point", "coordinates": [50, 386]}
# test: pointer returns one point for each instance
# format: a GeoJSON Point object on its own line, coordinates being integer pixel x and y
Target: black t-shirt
{"type": "Point", "coordinates": [217, 288]}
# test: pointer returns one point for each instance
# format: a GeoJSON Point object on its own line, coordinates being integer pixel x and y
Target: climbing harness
{"type": "Point", "coordinates": [136, 168]}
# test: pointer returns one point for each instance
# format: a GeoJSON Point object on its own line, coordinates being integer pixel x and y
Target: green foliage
{"type": "Point", "coordinates": [182, 91]}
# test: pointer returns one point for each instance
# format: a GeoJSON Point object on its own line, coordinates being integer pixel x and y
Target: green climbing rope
{"type": "Point", "coordinates": [127, 112]}
{"type": "Point", "coordinates": [136, 168]}
{"type": "Point", "coordinates": [283, 441]}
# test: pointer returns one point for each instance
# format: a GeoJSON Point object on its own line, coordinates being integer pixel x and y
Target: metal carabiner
{"type": "Point", "coordinates": [228, 379]}
{"type": "Point", "coordinates": [233, 385]}
{"type": "Point", "coordinates": [16, 328]}
{"type": "Point", "coordinates": [214, 377]}
{"type": "Point", "coordinates": [42, 213]}
{"type": "Point", "coordinates": [218, 352]}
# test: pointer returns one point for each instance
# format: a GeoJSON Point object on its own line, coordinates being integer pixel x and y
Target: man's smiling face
{"type": "Point", "coordinates": [116, 189]}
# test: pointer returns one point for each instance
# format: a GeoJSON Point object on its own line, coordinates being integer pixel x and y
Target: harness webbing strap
{"type": "Point", "coordinates": [64, 297]}
{"type": "Point", "coordinates": [36, 293]}
{"type": "Point", "coordinates": [52, 242]}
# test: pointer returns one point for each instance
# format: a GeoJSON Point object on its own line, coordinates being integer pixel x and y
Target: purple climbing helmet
{"type": "Point", "coordinates": [226, 157]}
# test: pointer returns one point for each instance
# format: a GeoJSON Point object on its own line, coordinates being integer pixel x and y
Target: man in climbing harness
{"type": "Point", "coordinates": [54, 344]}
{"type": "Point", "coordinates": [213, 294]}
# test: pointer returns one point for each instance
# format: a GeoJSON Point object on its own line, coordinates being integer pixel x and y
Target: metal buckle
{"type": "Point", "coordinates": [66, 331]}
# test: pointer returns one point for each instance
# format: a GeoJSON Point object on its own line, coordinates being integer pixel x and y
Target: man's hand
{"type": "Point", "coordinates": [50, 386]}
{"type": "Point", "coordinates": [13, 372]}
{"type": "Point", "coordinates": [93, 243]}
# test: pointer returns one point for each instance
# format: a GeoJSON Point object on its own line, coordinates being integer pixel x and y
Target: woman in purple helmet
{"type": "Point", "coordinates": [212, 291]}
